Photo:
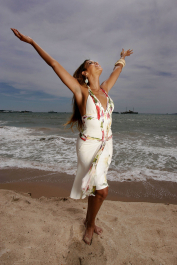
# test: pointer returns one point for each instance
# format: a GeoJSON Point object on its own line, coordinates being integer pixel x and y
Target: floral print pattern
{"type": "Point", "coordinates": [88, 182]}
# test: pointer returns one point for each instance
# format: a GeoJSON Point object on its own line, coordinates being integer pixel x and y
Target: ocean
{"type": "Point", "coordinates": [145, 145]}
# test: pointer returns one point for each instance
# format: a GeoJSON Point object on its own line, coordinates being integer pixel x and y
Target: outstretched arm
{"type": "Point", "coordinates": [65, 77]}
{"type": "Point", "coordinates": [109, 83]}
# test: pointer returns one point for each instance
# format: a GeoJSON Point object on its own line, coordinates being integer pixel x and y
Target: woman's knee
{"type": "Point", "coordinates": [102, 193]}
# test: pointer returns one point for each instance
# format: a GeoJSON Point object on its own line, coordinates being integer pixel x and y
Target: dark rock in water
{"type": "Point", "coordinates": [42, 139]}
{"type": "Point", "coordinates": [51, 138]}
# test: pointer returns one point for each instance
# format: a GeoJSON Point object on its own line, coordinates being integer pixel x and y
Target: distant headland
{"type": "Point", "coordinates": [15, 111]}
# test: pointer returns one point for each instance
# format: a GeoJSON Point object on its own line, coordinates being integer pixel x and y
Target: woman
{"type": "Point", "coordinates": [92, 113]}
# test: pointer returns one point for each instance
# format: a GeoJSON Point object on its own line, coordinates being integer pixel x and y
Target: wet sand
{"type": "Point", "coordinates": [53, 184]}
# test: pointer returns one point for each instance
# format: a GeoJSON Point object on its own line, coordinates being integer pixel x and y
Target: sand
{"type": "Point", "coordinates": [55, 184]}
{"type": "Point", "coordinates": [50, 230]}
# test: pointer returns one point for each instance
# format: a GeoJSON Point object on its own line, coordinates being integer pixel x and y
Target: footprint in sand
{"type": "Point", "coordinates": [81, 254]}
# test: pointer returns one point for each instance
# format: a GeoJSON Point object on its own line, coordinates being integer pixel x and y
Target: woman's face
{"type": "Point", "coordinates": [93, 67]}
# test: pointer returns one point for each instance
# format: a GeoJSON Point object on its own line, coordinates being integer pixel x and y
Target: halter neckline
{"type": "Point", "coordinates": [105, 110]}
{"type": "Point", "coordinates": [101, 89]}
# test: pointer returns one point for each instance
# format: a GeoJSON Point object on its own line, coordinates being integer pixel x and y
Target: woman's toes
{"type": "Point", "coordinates": [98, 230]}
{"type": "Point", "coordinates": [87, 240]}
{"type": "Point", "coordinates": [88, 235]}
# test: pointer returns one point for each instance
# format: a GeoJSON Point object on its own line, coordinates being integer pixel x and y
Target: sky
{"type": "Point", "coordinates": [74, 30]}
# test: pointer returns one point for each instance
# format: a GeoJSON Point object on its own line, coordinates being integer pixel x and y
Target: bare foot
{"type": "Point", "coordinates": [97, 230]}
{"type": "Point", "coordinates": [88, 235]}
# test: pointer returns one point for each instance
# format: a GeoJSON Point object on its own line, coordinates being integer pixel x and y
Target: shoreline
{"type": "Point", "coordinates": [54, 184]}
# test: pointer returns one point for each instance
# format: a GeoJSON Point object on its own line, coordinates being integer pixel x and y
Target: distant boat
{"type": "Point", "coordinates": [129, 112]}
{"type": "Point", "coordinates": [116, 112]}
{"type": "Point", "coordinates": [52, 111]}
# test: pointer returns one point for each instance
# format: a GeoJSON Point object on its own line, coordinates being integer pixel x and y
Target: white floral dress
{"type": "Point", "coordinates": [94, 148]}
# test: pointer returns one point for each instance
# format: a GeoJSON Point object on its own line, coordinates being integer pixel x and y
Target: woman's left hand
{"type": "Point", "coordinates": [123, 53]}
{"type": "Point", "coordinates": [21, 36]}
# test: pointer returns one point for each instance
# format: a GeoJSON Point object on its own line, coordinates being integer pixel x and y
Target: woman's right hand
{"type": "Point", "coordinates": [21, 36]}
{"type": "Point", "coordinates": [65, 77]}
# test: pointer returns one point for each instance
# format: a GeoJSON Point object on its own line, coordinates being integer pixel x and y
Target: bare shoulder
{"type": "Point", "coordinates": [81, 93]}
{"type": "Point", "coordinates": [81, 96]}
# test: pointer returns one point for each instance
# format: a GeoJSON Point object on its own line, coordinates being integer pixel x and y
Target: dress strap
{"type": "Point", "coordinates": [104, 92]}
{"type": "Point", "coordinates": [90, 91]}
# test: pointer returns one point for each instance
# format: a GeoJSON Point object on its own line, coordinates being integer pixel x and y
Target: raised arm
{"type": "Point", "coordinates": [65, 77]}
{"type": "Point", "coordinates": [109, 83]}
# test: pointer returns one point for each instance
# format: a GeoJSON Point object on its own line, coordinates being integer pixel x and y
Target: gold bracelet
{"type": "Point", "coordinates": [121, 61]}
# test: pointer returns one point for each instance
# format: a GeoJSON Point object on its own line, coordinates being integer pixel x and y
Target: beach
{"type": "Point", "coordinates": [112, 120]}
{"type": "Point", "coordinates": [40, 224]}
{"type": "Point", "coordinates": [50, 231]}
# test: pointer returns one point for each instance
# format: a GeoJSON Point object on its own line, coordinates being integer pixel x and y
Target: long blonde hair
{"type": "Point", "coordinates": [75, 118]}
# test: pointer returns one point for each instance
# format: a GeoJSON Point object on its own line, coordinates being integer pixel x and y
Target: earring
{"type": "Point", "coordinates": [86, 80]}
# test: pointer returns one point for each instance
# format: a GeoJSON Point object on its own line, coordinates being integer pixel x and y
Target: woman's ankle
{"type": "Point", "coordinates": [90, 224]}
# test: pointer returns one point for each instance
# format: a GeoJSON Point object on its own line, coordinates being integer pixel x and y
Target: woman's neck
{"type": "Point", "coordinates": [94, 84]}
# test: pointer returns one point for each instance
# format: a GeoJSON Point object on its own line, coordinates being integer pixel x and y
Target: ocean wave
{"type": "Point", "coordinates": [20, 163]}
{"type": "Point", "coordinates": [141, 174]}
{"type": "Point", "coordinates": [137, 156]}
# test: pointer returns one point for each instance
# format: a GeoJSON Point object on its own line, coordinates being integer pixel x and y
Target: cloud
{"type": "Point", "coordinates": [71, 31]}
